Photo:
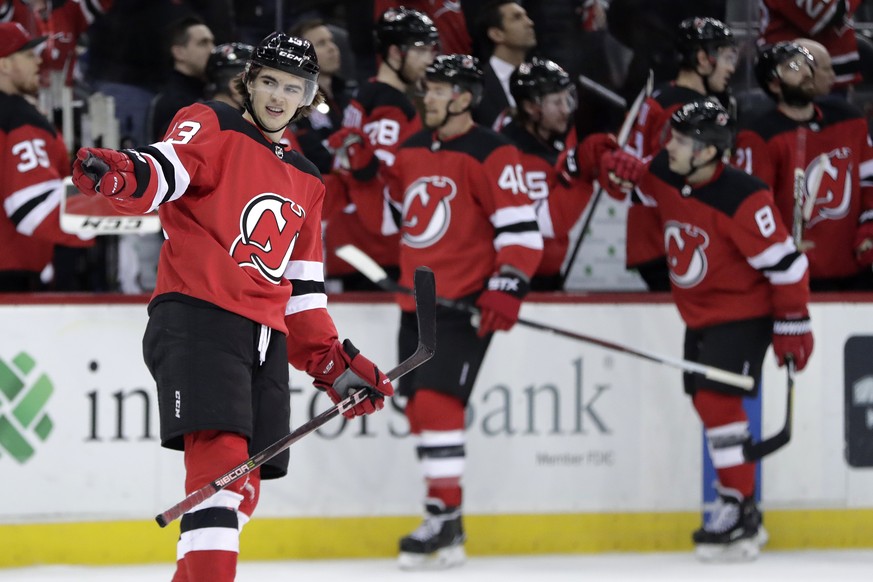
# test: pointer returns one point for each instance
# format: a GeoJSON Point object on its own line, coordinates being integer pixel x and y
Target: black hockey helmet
{"type": "Point", "coordinates": [230, 58]}
{"type": "Point", "coordinates": [289, 54]}
{"type": "Point", "coordinates": [702, 32]}
{"type": "Point", "coordinates": [460, 70]}
{"type": "Point", "coordinates": [404, 27]}
{"type": "Point", "coordinates": [539, 77]}
{"type": "Point", "coordinates": [706, 121]}
{"type": "Point", "coordinates": [770, 57]}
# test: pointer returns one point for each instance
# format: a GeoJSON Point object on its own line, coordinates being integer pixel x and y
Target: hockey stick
{"type": "Point", "coordinates": [425, 309]}
{"type": "Point", "coordinates": [799, 188]}
{"type": "Point", "coordinates": [622, 138]}
{"type": "Point", "coordinates": [86, 215]}
{"type": "Point", "coordinates": [603, 92]}
{"type": "Point", "coordinates": [370, 269]}
{"type": "Point", "coordinates": [756, 451]}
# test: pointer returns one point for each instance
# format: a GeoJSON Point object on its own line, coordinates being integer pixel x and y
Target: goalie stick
{"type": "Point", "coordinates": [425, 309]}
{"type": "Point", "coordinates": [370, 269]}
{"type": "Point", "coordinates": [756, 451]}
{"type": "Point", "coordinates": [622, 139]}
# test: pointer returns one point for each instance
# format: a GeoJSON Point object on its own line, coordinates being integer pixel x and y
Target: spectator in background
{"type": "Point", "coordinates": [826, 21]}
{"type": "Point", "coordinates": [61, 22]}
{"type": "Point", "coordinates": [825, 77]}
{"type": "Point", "coordinates": [190, 44]}
{"type": "Point", "coordinates": [127, 61]}
{"type": "Point", "coordinates": [225, 64]}
{"type": "Point", "coordinates": [383, 116]}
{"type": "Point", "coordinates": [508, 35]}
{"type": "Point", "coordinates": [311, 131]}
{"type": "Point", "coordinates": [33, 163]}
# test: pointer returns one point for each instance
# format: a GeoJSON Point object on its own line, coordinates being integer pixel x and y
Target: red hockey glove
{"type": "Point", "coordinates": [792, 336]}
{"type": "Point", "coordinates": [864, 244]}
{"type": "Point", "coordinates": [500, 302]}
{"type": "Point", "coordinates": [583, 162]}
{"type": "Point", "coordinates": [103, 171]}
{"type": "Point", "coordinates": [620, 171]}
{"type": "Point", "coordinates": [344, 370]}
{"type": "Point", "coordinates": [352, 148]}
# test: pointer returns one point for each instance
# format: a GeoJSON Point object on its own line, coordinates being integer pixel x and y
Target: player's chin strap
{"type": "Point", "coordinates": [450, 114]}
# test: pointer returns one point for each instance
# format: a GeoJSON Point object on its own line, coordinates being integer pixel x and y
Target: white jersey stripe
{"type": "Point", "coordinates": [38, 213]}
{"type": "Point", "coordinates": [306, 302]}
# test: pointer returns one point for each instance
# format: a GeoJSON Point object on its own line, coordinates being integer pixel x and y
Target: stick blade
{"type": "Point", "coordinates": [366, 266]}
{"type": "Point", "coordinates": [425, 308]}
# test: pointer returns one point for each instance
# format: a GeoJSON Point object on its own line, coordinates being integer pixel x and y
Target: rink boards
{"type": "Point", "coordinates": [572, 448]}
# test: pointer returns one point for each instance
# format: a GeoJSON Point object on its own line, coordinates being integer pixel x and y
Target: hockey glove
{"type": "Point", "coordinates": [344, 371]}
{"type": "Point", "coordinates": [620, 172]}
{"type": "Point", "coordinates": [793, 336]}
{"type": "Point", "coordinates": [104, 171]}
{"type": "Point", "coordinates": [583, 162]}
{"type": "Point", "coordinates": [864, 244]}
{"type": "Point", "coordinates": [353, 150]}
{"type": "Point", "coordinates": [500, 302]}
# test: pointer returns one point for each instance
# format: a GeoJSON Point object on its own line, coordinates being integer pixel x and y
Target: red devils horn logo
{"type": "Point", "coordinates": [426, 210]}
{"type": "Point", "coordinates": [829, 182]}
{"type": "Point", "coordinates": [269, 226]}
{"type": "Point", "coordinates": [685, 245]}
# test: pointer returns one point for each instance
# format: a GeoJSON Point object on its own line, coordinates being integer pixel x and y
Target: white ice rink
{"type": "Point", "coordinates": [842, 566]}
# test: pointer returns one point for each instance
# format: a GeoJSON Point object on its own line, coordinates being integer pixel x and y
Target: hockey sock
{"type": "Point", "coordinates": [439, 418]}
{"type": "Point", "coordinates": [209, 541]}
{"type": "Point", "coordinates": [727, 429]}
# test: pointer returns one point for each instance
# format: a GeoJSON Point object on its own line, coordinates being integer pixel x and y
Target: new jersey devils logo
{"type": "Point", "coordinates": [829, 180]}
{"type": "Point", "coordinates": [686, 256]}
{"type": "Point", "coordinates": [426, 210]}
{"type": "Point", "coordinates": [269, 226]}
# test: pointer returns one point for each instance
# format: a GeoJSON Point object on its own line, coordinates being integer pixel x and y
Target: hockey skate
{"type": "Point", "coordinates": [733, 533]}
{"type": "Point", "coordinates": [438, 542]}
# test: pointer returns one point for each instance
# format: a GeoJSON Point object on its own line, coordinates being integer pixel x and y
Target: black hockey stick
{"type": "Point", "coordinates": [370, 269]}
{"type": "Point", "coordinates": [757, 451]}
{"type": "Point", "coordinates": [425, 309]}
{"type": "Point", "coordinates": [623, 136]}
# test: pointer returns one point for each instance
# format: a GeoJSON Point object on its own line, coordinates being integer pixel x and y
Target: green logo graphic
{"type": "Point", "coordinates": [23, 395]}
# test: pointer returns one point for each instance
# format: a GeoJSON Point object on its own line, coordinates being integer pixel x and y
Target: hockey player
{"type": "Point", "coordinates": [62, 23]}
{"type": "Point", "coordinates": [707, 60]}
{"type": "Point", "coordinates": [226, 62]}
{"type": "Point", "coordinates": [827, 140]}
{"type": "Point", "coordinates": [739, 283]}
{"type": "Point", "coordinates": [545, 100]}
{"type": "Point", "coordinates": [827, 21]}
{"type": "Point", "coordinates": [240, 270]}
{"type": "Point", "coordinates": [33, 163]}
{"type": "Point", "coordinates": [383, 116]}
{"type": "Point", "coordinates": [464, 213]}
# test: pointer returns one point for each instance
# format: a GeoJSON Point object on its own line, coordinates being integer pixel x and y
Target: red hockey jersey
{"type": "Point", "coordinates": [837, 156]}
{"type": "Point", "coordinates": [33, 163]}
{"type": "Point", "coordinates": [821, 21]}
{"type": "Point", "coordinates": [648, 136]}
{"type": "Point", "coordinates": [63, 24]}
{"type": "Point", "coordinates": [388, 117]}
{"type": "Point", "coordinates": [464, 210]}
{"type": "Point", "coordinates": [729, 254]}
{"type": "Point", "coordinates": [242, 219]}
{"type": "Point", "coordinates": [557, 206]}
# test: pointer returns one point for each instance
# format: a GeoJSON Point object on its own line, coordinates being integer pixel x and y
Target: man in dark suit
{"type": "Point", "coordinates": [507, 34]}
